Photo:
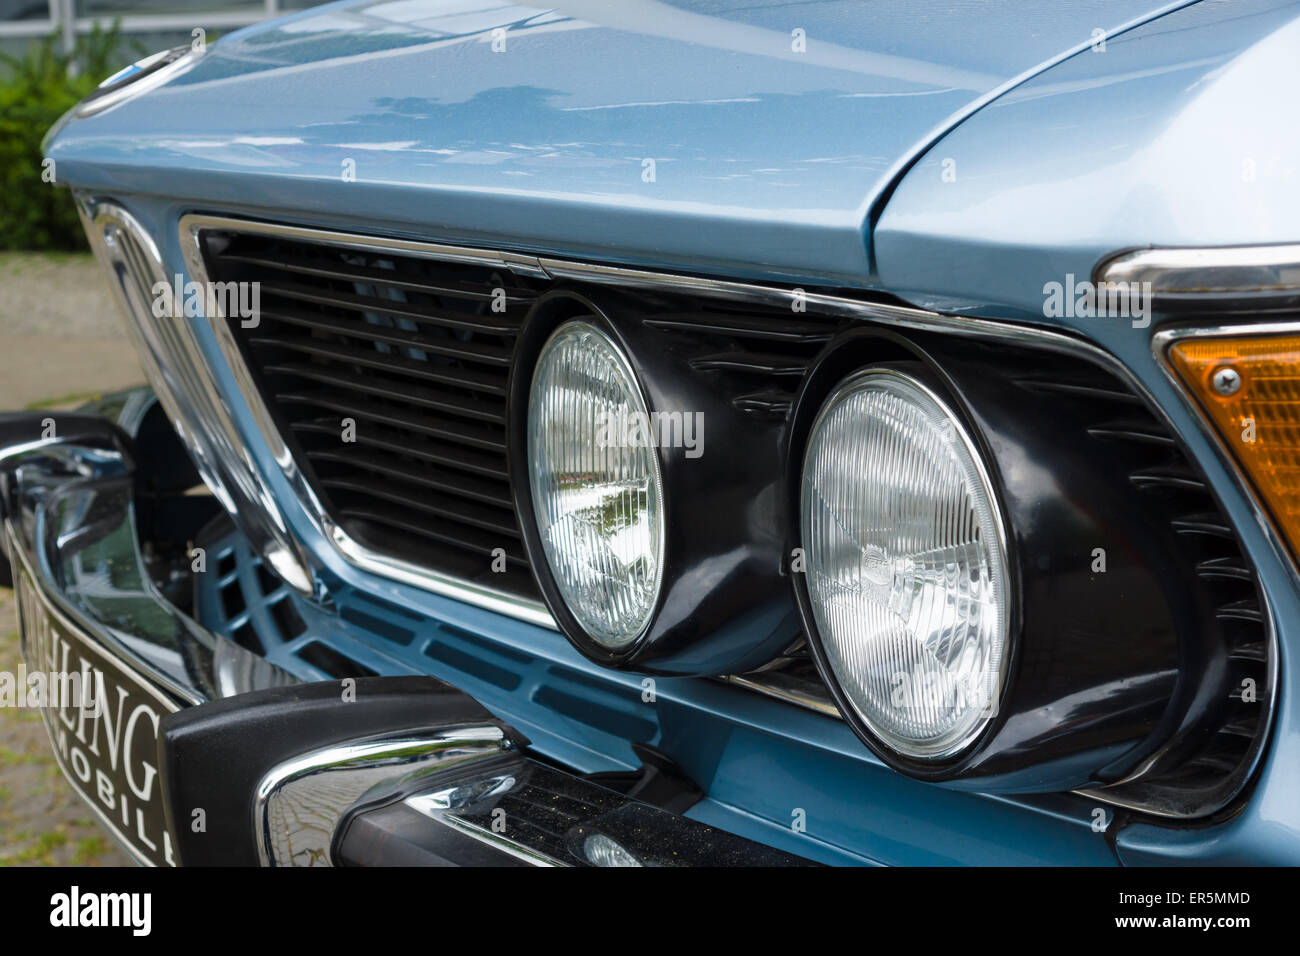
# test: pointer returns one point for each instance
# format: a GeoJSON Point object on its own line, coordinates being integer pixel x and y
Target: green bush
{"type": "Point", "coordinates": [43, 85]}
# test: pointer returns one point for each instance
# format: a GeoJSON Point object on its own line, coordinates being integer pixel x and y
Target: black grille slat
{"type": "Point", "coordinates": [1212, 525]}
{"type": "Point", "coordinates": [462, 512]}
{"type": "Point", "coordinates": [1253, 651]}
{"type": "Point", "coordinates": [473, 351]}
{"type": "Point", "coordinates": [1225, 567]}
{"type": "Point", "coordinates": [436, 453]}
{"type": "Point", "coordinates": [464, 434]}
{"type": "Point", "coordinates": [1180, 478]}
{"type": "Point", "coordinates": [370, 304]}
{"type": "Point", "coordinates": [1132, 432]}
{"type": "Point", "coordinates": [1247, 609]}
{"type": "Point", "coordinates": [389, 466]}
{"type": "Point", "coordinates": [395, 391]}
{"type": "Point", "coordinates": [413, 367]}
{"type": "Point", "coordinates": [348, 273]}
{"type": "Point", "coordinates": [757, 359]}
{"type": "Point", "coordinates": [1085, 391]}
{"type": "Point", "coordinates": [461, 536]}
{"type": "Point", "coordinates": [750, 362]}
{"type": "Point", "coordinates": [770, 402]}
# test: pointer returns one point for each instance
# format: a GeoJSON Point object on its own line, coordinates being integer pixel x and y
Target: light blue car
{"type": "Point", "coordinates": [661, 433]}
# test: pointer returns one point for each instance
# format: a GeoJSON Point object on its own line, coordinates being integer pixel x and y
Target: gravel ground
{"type": "Point", "coordinates": [61, 342]}
{"type": "Point", "coordinates": [61, 339]}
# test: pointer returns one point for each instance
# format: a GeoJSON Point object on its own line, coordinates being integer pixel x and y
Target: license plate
{"type": "Point", "coordinates": [103, 724]}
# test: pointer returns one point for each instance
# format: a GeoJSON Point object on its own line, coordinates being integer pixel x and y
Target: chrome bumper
{"type": "Point", "coordinates": [377, 771]}
{"type": "Point", "coordinates": [67, 503]}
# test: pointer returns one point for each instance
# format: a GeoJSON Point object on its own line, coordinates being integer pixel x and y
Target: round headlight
{"type": "Point", "coordinates": [906, 566]}
{"type": "Point", "coordinates": [596, 488]}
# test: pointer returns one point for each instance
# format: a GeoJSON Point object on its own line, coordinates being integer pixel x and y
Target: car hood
{"type": "Point", "coordinates": [753, 139]}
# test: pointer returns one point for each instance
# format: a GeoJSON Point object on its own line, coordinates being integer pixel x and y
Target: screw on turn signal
{"type": "Point", "coordinates": [1249, 389]}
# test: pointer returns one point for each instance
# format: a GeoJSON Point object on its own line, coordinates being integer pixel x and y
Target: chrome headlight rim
{"type": "Point", "coordinates": [843, 364]}
{"type": "Point", "coordinates": [540, 330]}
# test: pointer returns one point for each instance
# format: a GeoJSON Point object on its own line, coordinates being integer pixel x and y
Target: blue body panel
{"type": "Point", "coordinates": [767, 161]}
{"type": "Point", "coordinates": [769, 164]}
{"type": "Point", "coordinates": [1172, 136]}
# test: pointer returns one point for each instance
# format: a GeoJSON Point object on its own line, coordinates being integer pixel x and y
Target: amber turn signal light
{"type": "Point", "coordinates": [1249, 387]}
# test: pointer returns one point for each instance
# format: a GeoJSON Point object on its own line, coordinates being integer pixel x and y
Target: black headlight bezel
{"type": "Point", "coordinates": [1080, 708]}
{"type": "Point", "coordinates": [846, 356]}
{"type": "Point", "coordinates": [723, 606]}
{"type": "Point", "coordinates": [550, 314]}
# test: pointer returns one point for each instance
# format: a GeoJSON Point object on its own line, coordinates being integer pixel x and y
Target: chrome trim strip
{"type": "Point", "coordinates": [799, 299]}
{"type": "Point", "coordinates": [174, 364]}
{"type": "Point", "coordinates": [192, 224]}
{"type": "Point", "coordinates": [1208, 270]}
{"type": "Point", "coordinates": [327, 782]}
{"type": "Point", "coordinates": [352, 551]}
{"type": "Point", "coordinates": [533, 612]}
{"type": "Point", "coordinates": [778, 686]}
{"type": "Point", "coordinates": [437, 807]}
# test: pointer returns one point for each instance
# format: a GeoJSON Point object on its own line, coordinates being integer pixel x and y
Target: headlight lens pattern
{"type": "Point", "coordinates": [598, 498]}
{"type": "Point", "coordinates": [905, 564]}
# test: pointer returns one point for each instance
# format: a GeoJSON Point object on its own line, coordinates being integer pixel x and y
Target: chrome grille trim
{"type": "Point", "coordinates": [174, 365]}
{"type": "Point", "coordinates": [352, 551]}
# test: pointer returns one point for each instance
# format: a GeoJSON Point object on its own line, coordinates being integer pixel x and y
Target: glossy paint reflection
{"type": "Point", "coordinates": [742, 140]}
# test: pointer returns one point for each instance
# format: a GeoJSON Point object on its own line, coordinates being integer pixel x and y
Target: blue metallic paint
{"type": "Point", "coordinates": [773, 167]}
{"type": "Point", "coordinates": [1148, 143]}
{"type": "Point", "coordinates": [767, 160]}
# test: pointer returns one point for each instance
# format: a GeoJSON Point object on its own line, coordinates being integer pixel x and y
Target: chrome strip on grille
{"type": "Point", "coordinates": [534, 612]}
{"type": "Point", "coordinates": [174, 364]}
